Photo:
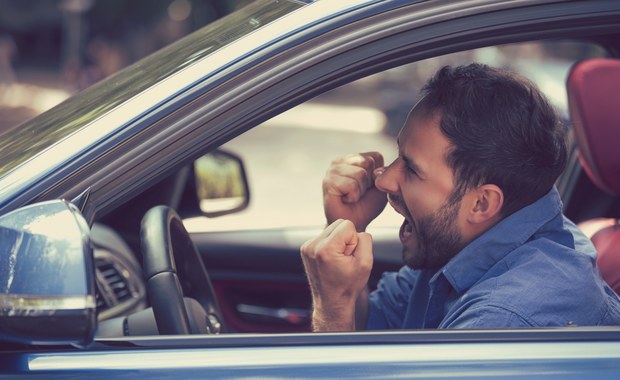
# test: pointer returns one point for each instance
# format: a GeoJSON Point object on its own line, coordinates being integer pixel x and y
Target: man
{"type": "Point", "coordinates": [484, 239]}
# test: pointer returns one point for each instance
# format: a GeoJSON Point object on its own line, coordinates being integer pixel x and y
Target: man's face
{"type": "Point", "coordinates": [420, 186]}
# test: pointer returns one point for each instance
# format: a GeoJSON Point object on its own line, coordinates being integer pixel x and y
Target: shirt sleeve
{"type": "Point", "coordinates": [387, 305]}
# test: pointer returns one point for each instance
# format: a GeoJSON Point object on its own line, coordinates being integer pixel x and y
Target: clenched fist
{"type": "Point", "coordinates": [338, 264]}
{"type": "Point", "coordinates": [349, 190]}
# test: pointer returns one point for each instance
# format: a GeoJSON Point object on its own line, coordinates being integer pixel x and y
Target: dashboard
{"type": "Point", "coordinates": [118, 275]}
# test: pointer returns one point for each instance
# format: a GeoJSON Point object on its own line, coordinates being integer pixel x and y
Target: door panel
{"type": "Point", "coordinates": [259, 278]}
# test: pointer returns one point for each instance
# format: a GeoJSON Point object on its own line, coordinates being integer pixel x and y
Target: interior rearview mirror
{"type": "Point", "coordinates": [47, 289]}
{"type": "Point", "coordinates": [221, 183]}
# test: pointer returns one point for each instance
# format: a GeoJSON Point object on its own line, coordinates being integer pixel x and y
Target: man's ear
{"type": "Point", "coordinates": [488, 200]}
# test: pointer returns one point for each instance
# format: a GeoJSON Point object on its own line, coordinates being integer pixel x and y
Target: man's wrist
{"type": "Point", "coordinates": [335, 318]}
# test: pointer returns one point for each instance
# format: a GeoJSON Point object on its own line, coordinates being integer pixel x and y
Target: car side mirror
{"type": "Point", "coordinates": [47, 289]}
{"type": "Point", "coordinates": [221, 183]}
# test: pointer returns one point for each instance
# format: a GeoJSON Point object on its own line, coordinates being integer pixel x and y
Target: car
{"type": "Point", "coordinates": [151, 223]}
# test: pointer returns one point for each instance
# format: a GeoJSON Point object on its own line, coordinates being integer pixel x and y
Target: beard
{"type": "Point", "coordinates": [438, 239]}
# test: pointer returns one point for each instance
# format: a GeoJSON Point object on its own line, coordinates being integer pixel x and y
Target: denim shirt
{"type": "Point", "coordinates": [532, 269]}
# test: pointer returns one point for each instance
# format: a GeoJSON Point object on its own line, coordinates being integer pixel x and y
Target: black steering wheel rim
{"type": "Point", "coordinates": [173, 269]}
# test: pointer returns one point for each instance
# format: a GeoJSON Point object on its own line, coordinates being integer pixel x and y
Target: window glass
{"type": "Point", "coordinates": [18, 146]}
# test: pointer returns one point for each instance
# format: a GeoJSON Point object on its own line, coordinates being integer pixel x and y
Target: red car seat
{"type": "Point", "coordinates": [593, 88]}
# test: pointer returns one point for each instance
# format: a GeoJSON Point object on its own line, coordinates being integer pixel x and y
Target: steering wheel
{"type": "Point", "coordinates": [173, 269]}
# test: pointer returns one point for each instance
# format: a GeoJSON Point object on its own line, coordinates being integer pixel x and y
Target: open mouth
{"type": "Point", "coordinates": [407, 229]}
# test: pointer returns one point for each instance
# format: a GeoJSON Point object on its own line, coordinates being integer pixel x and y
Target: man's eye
{"type": "Point", "coordinates": [411, 171]}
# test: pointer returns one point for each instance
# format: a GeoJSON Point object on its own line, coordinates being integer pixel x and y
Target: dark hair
{"type": "Point", "coordinates": [503, 131]}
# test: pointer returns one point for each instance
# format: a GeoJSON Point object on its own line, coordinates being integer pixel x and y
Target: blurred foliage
{"type": "Point", "coordinates": [114, 18]}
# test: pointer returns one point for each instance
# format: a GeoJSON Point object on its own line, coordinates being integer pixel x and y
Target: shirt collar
{"type": "Point", "coordinates": [475, 260]}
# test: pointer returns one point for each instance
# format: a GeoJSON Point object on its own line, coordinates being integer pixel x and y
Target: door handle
{"type": "Point", "coordinates": [290, 315]}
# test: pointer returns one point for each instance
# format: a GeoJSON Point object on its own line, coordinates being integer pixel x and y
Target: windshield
{"type": "Point", "coordinates": [29, 139]}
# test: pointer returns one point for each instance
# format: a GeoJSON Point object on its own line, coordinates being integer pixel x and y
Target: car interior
{"type": "Point", "coordinates": [256, 273]}
{"type": "Point", "coordinates": [593, 102]}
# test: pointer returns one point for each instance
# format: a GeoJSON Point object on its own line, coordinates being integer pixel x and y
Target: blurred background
{"type": "Point", "coordinates": [50, 49]}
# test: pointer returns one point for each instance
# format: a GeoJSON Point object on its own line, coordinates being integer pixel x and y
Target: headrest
{"type": "Point", "coordinates": [593, 88]}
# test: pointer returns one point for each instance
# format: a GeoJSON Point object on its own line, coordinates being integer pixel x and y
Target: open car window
{"type": "Point", "coordinates": [287, 156]}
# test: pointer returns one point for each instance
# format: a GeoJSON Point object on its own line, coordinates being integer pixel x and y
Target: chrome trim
{"type": "Point", "coordinates": [406, 356]}
{"type": "Point", "coordinates": [22, 305]}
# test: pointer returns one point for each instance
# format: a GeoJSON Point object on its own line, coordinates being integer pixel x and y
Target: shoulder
{"type": "Point", "coordinates": [538, 287]}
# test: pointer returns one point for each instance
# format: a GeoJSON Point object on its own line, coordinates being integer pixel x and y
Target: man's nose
{"type": "Point", "coordinates": [385, 179]}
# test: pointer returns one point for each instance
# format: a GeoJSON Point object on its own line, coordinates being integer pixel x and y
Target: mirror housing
{"type": "Point", "coordinates": [47, 288]}
{"type": "Point", "coordinates": [221, 183]}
